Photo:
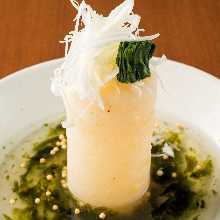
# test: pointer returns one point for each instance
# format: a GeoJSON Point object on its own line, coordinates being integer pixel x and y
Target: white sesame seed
{"type": "Point", "coordinates": [56, 149]}
{"type": "Point", "coordinates": [12, 201]}
{"type": "Point", "coordinates": [63, 141]}
{"type": "Point", "coordinates": [64, 173]}
{"type": "Point", "coordinates": [165, 157]}
{"type": "Point", "coordinates": [174, 174]}
{"type": "Point", "coordinates": [198, 167]}
{"type": "Point", "coordinates": [37, 200]}
{"type": "Point", "coordinates": [55, 207]}
{"type": "Point", "coordinates": [61, 137]}
{"type": "Point", "coordinates": [42, 160]}
{"type": "Point", "coordinates": [52, 152]}
{"type": "Point", "coordinates": [23, 165]}
{"type": "Point", "coordinates": [160, 172]}
{"type": "Point", "coordinates": [49, 177]}
{"type": "Point", "coordinates": [63, 181]}
{"type": "Point", "coordinates": [64, 185]}
{"type": "Point", "coordinates": [102, 215]}
{"type": "Point", "coordinates": [180, 126]}
{"type": "Point", "coordinates": [77, 211]}
{"type": "Point", "coordinates": [48, 193]}
{"type": "Point", "coordinates": [58, 143]}
{"type": "Point", "coordinates": [63, 146]}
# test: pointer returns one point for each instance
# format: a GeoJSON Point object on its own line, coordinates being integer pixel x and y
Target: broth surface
{"type": "Point", "coordinates": [183, 186]}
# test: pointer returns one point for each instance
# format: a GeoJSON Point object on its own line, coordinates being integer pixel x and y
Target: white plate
{"type": "Point", "coordinates": [186, 93]}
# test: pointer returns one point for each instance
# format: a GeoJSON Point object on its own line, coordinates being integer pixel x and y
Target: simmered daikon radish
{"type": "Point", "coordinates": [109, 151]}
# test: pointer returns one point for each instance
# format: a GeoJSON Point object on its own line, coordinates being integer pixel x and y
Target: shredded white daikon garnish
{"type": "Point", "coordinates": [82, 72]}
{"type": "Point", "coordinates": [168, 150]}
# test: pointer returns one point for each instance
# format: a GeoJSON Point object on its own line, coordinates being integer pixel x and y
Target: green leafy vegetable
{"type": "Point", "coordinates": [205, 170]}
{"type": "Point", "coordinates": [133, 60]}
{"type": "Point", "coordinates": [171, 198]}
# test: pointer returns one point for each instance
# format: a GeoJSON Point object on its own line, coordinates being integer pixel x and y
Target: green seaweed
{"type": "Point", "coordinates": [133, 60]}
{"type": "Point", "coordinates": [171, 198]}
{"type": "Point", "coordinates": [205, 170]}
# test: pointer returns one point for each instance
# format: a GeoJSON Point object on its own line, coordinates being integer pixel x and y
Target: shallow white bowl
{"type": "Point", "coordinates": [187, 94]}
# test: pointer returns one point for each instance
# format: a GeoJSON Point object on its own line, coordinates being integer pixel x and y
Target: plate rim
{"type": "Point", "coordinates": [57, 60]}
{"type": "Point", "coordinates": [26, 71]}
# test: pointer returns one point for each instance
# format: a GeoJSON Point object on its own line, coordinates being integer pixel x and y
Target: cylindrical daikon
{"type": "Point", "coordinates": [109, 151]}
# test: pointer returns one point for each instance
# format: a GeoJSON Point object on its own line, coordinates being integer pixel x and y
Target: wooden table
{"type": "Point", "coordinates": [30, 30]}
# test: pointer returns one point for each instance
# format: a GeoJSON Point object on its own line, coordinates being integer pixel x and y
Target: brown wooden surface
{"type": "Point", "coordinates": [30, 30]}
